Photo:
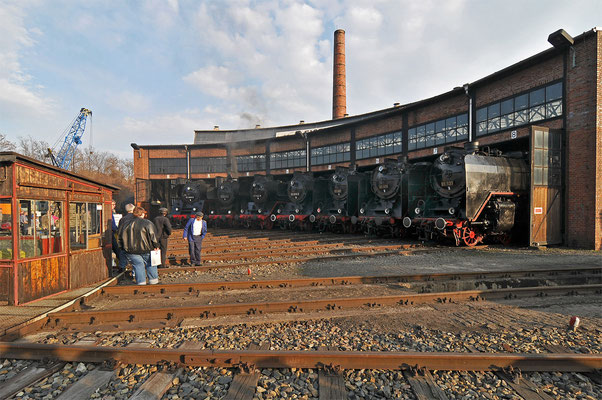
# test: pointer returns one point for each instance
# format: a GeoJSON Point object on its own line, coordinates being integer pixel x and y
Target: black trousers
{"type": "Point", "coordinates": [163, 247]}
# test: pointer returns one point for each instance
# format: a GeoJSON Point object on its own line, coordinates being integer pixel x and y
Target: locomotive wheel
{"type": "Point", "coordinates": [470, 237]}
{"type": "Point", "coordinates": [268, 224]}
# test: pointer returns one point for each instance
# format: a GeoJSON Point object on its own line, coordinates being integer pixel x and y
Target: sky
{"type": "Point", "coordinates": [153, 71]}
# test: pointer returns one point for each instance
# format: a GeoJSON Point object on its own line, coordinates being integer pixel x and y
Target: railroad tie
{"type": "Point", "coordinates": [160, 382]}
{"type": "Point", "coordinates": [244, 384]}
{"type": "Point", "coordinates": [331, 383]}
{"type": "Point", "coordinates": [89, 384]}
{"type": "Point", "coordinates": [424, 386]}
{"type": "Point", "coordinates": [27, 377]}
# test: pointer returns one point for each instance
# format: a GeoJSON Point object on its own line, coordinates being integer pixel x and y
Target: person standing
{"type": "Point", "coordinates": [123, 261]}
{"type": "Point", "coordinates": [194, 232]}
{"type": "Point", "coordinates": [163, 232]}
{"type": "Point", "coordinates": [137, 238]}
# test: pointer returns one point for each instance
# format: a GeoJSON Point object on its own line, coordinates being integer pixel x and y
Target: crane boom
{"type": "Point", "coordinates": [73, 139]}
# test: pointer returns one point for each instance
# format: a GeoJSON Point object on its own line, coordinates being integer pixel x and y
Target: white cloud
{"type": "Point", "coordinates": [19, 96]}
{"type": "Point", "coordinates": [130, 101]}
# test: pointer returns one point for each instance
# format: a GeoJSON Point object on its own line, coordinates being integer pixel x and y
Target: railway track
{"type": "Point", "coordinates": [103, 346]}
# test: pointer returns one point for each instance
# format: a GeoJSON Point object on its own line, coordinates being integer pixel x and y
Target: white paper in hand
{"type": "Point", "coordinates": [155, 257]}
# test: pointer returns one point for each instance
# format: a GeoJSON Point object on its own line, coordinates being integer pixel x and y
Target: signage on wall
{"type": "Point", "coordinates": [168, 176]}
{"type": "Point", "coordinates": [538, 210]}
{"type": "Point", "coordinates": [287, 171]}
{"type": "Point", "coordinates": [377, 160]}
{"type": "Point", "coordinates": [247, 174]}
{"type": "Point", "coordinates": [99, 207]}
{"type": "Point", "coordinates": [513, 134]}
{"type": "Point", "coordinates": [435, 150]}
{"type": "Point", "coordinates": [329, 166]}
{"type": "Point", "coordinates": [208, 175]}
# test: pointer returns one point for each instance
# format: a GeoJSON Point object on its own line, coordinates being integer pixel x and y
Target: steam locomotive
{"type": "Point", "coordinates": [465, 196]}
{"type": "Point", "coordinates": [382, 213]}
{"type": "Point", "coordinates": [473, 194]}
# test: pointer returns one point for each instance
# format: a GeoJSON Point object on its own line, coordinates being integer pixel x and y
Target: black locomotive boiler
{"type": "Point", "coordinates": [186, 198]}
{"type": "Point", "coordinates": [265, 194]}
{"type": "Point", "coordinates": [383, 212]}
{"type": "Point", "coordinates": [337, 198]}
{"type": "Point", "coordinates": [475, 194]}
{"type": "Point", "coordinates": [295, 214]}
{"type": "Point", "coordinates": [223, 201]}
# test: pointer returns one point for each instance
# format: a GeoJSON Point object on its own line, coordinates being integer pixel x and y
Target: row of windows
{"type": "Point", "coordinates": [167, 165]}
{"type": "Point", "coordinates": [255, 162]}
{"type": "Point", "coordinates": [288, 159]}
{"type": "Point", "coordinates": [536, 105]}
{"type": "Point", "coordinates": [331, 154]}
{"type": "Point", "coordinates": [208, 164]}
{"type": "Point", "coordinates": [378, 145]}
{"type": "Point", "coordinates": [440, 132]}
{"type": "Point", "coordinates": [41, 227]}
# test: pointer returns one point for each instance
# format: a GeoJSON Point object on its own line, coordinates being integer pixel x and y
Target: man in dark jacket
{"type": "Point", "coordinates": [137, 238]}
{"type": "Point", "coordinates": [129, 208]}
{"type": "Point", "coordinates": [163, 232]}
{"type": "Point", "coordinates": [194, 232]}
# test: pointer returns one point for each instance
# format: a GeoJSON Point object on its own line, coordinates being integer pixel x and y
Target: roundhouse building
{"type": "Point", "coordinates": [548, 105]}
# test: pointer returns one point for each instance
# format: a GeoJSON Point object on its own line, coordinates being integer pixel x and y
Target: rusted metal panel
{"type": "Point", "coordinates": [42, 277]}
{"type": "Point", "coordinates": [6, 173]}
{"type": "Point", "coordinates": [87, 267]}
{"type": "Point", "coordinates": [6, 284]}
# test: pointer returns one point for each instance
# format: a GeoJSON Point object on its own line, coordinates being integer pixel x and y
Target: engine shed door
{"type": "Point", "coordinates": [546, 186]}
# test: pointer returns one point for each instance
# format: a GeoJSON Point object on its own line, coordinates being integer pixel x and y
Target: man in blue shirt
{"type": "Point", "coordinates": [194, 232]}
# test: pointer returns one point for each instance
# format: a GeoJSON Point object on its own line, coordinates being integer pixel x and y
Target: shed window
{"type": "Point", "coordinates": [6, 237]}
{"type": "Point", "coordinates": [85, 221]}
{"type": "Point", "coordinates": [40, 228]}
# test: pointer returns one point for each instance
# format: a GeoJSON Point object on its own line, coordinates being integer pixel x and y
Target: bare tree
{"type": "Point", "coordinates": [5, 144]}
{"type": "Point", "coordinates": [30, 147]}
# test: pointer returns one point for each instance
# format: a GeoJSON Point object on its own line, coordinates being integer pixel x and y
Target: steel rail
{"type": "Point", "coordinates": [568, 362]}
{"type": "Point", "coordinates": [350, 280]}
{"type": "Point", "coordinates": [56, 320]}
{"type": "Point", "coordinates": [287, 260]}
{"type": "Point", "coordinates": [300, 250]}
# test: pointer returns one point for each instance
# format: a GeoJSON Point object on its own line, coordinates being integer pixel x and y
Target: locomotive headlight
{"type": "Point", "coordinates": [193, 208]}
{"type": "Point", "coordinates": [278, 211]}
{"type": "Point", "coordinates": [387, 211]}
{"type": "Point", "coordinates": [451, 211]}
{"type": "Point", "coordinates": [242, 211]}
{"type": "Point", "coordinates": [362, 211]}
{"type": "Point", "coordinates": [259, 211]}
{"type": "Point", "coordinates": [254, 185]}
{"type": "Point", "coordinates": [319, 210]}
{"type": "Point", "coordinates": [340, 211]}
{"type": "Point", "coordinates": [229, 212]}
{"type": "Point", "coordinates": [417, 210]}
{"type": "Point", "coordinates": [297, 211]}
{"type": "Point", "coordinates": [177, 209]}
{"type": "Point", "coordinates": [211, 212]}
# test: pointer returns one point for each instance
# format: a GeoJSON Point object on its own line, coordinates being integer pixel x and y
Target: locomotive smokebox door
{"type": "Point", "coordinates": [546, 186]}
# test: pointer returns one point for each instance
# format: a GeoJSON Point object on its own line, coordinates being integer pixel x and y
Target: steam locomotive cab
{"type": "Point", "coordinates": [382, 213]}
{"type": "Point", "coordinates": [295, 214]}
{"type": "Point", "coordinates": [475, 194]}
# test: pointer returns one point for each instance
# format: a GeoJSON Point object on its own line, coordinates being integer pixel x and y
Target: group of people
{"type": "Point", "coordinates": [134, 237]}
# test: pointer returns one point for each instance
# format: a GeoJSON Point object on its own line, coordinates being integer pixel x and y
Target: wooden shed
{"type": "Point", "coordinates": [55, 229]}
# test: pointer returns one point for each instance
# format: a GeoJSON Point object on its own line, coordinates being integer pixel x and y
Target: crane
{"type": "Point", "coordinates": [73, 139]}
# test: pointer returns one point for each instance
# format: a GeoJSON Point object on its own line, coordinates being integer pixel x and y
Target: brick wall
{"type": "Point", "coordinates": [536, 75]}
{"type": "Point", "coordinates": [442, 109]}
{"type": "Point", "coordinates": [389, 124]}
{"type": "Point", "coordinates": [582, 146]}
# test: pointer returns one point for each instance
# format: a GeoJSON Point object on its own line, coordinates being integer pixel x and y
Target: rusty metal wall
{"type": "Point", "coordinates": [6, 180]}
{"type": "Point", "coordinates": [87, 267]}
{"type": "Point", "coordinates": [42, 277]}
{"type": "Point", "coordinates": [6, 286]}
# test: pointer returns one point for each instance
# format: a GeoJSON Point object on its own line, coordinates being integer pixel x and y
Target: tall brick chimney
{"type": "Point", "coordinates": [339, 92]}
